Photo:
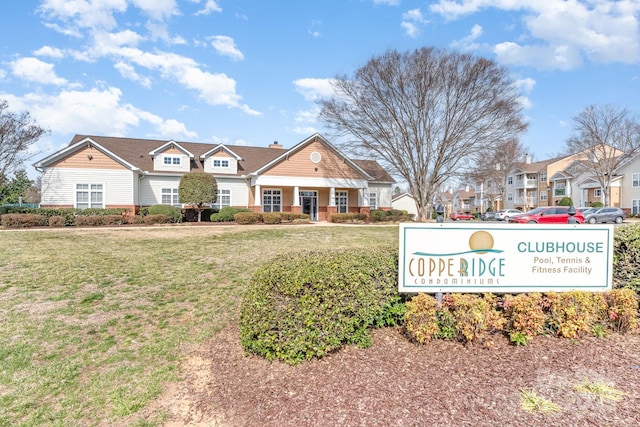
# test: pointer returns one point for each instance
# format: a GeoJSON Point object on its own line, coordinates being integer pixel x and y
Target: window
{"type": "Point", "coordinates": [223, 199]}
{"type": "Point", "coordinates": [509, 196]}
{"type": "Point", "coordinates": [271, 201]}
{"type": "Point", "coordinates": [170, 196]}
{"type": "Point", "coordinates": [510, 180]}
{"type": "Point", "coordinates": [635, 207]}
{"type": "Point", "coordinates": [597, 192]}
{"type": "Point", "coordinates": [543, 177]}
{"type": "Point", "coordinates": [543, 195]}
{"type": "Point", "coordinates": [373, 200]}
{"type": "Point", "coordinates": [342, 201]}
{"type": "Point", "coordinates": [636, 179]}
{"type": "Point", "coordinates": [221, 163]}
{"type": "Point", "coordinates": [168, 160]}
{"type": "Point", "coordinates": [89, 196]}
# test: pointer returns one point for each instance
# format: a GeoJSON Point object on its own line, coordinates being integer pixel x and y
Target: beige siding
{"type": "Point", "coordinates": [300, 164]}
{"type": "Point", "coordinates": [87, 158]}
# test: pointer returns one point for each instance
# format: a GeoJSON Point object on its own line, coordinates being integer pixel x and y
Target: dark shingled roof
{"type": "Point", "coordinates": [136, 152]}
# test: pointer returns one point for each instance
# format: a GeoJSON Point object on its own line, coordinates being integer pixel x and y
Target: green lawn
{"type": "Point", "coordinates": [93, 323]}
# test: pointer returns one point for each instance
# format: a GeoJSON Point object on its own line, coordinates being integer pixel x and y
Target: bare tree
{"type": "Point", "coordinates": [17, 133]}
{"type": "Point", "coordinates": [493, 166]}
{"type": "Point", "coordinates": [424, 113]}
{"type": "Point", "coordinates": [607, 135]}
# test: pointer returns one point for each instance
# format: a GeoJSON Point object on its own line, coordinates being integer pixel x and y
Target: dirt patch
{"type": "Point", "coordinates": [395, 382]}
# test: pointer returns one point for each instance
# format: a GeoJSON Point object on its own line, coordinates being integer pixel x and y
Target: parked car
{"type": "Point", "coordinates": [605, 214]}
{"type": "Point", "coordinates": [547, 215]}
{"type": "Point", "coordinates": [503, 214]}
{"type": "Point", "coordinates": [461, 215]}
{"type": "Point", "coordinates": [488, 216]}
{"type": "Point", "coordinates": [586, 211]}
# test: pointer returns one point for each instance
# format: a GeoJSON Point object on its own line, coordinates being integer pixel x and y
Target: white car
{"type": "Point", "coordinates": [504, 214]}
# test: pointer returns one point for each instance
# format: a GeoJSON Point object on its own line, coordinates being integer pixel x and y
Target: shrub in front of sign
{"type": "Point", "coordinates": [626, 257]}
{"type": "Point", "coordinates": [622, 310]}
{"type": "Point", "coordinates": [524, 316]}
{"type": "Point", "coordinates": [474, 316]}
{"type": "Point", "coordinates": [421, 319]}
{"type": "Point", "coordinates": [575, 314]}
{"type": "Point", "coordinates": [309, 304]}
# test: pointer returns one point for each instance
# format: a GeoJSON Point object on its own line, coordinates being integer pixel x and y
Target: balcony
{"type": "Point", "coordinates": [529, 183]}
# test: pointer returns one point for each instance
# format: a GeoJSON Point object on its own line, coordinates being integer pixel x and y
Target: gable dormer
{"type": "Point", "coordinates": [220, 160]}
{"type": "Point", "coordinates": [171, 157]}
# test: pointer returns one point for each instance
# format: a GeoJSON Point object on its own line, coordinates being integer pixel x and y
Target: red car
{"type": "Point", "coordinates": [460, 215]}
{"type": "Point", "coordinates": [547, 215]}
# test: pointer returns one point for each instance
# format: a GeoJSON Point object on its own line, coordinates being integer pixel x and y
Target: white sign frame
{"type": "Point", "coordinates": [504, 258]}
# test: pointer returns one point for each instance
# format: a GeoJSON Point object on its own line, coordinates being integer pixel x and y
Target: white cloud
{"type": "Point", "coordinates": [83, 14]}
{"type": "Point", "coordinates": [128, 72]}
{"type": "Point", "coordinates": [210, 6]}
{"type": "Point", "coordinates": [36, 71]}
{"type": "Point", "coordinates": [306, 130]}
{"type": "Point", "coordinates": [387, 2]}
{"type": "Point", "coordinates": [3, 74]}
{"type": "Point", "coordinates": [468, 42]}
{"type": "Point", "coordinates": [52, 52]}
{"type": "Point", "coordinates": [157, 9]}
{"type": "Point", "coordinates": [410, 29]}
{"type": "Point", "coordinates": [225, 46]}
{"type": "Point", "coordinates": [84, 112]}
{"type": "Point", "coordinates": [564, 33]}
{"type": "Point", "coordinates": [411, 21]}
{"type": "Point", "coordinates": [312, 89]}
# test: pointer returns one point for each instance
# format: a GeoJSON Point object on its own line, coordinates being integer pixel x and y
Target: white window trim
{"type": "Point", "coordinates": [174, 195]}
{"type": "Point", "coordinates": [373, 206]}
{"type": "Point", "coordinates": [218, 203]}
{"type": "Point", "coordinates": [346, 199]}
{"type": "Point", "coordinates": [635, 206]}
{"type": "Point", "coordinates": [89, 191]}
{"type": "Point", "coordinates": [635, 179]}
{"type": "Point", "coordinates": [279, 190]}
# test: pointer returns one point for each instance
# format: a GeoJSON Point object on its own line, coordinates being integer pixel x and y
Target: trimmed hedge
{"type": "Point", "coordinates": [626, 257]}
{"type": "Point", "coordinates": [227, 214]}
{"type": "Point", "coordinates": [171, 211]}
{"type": "Point", "coordinates": [393, 215]}
{"type": "Point", "coordinates": [471, 318]}
{"type": "Point", "coordinates": [309, 304]}
{"type": "Point", "coordinates": [24, 220]}
{"type": "Point", "coordinates": [349, 218]}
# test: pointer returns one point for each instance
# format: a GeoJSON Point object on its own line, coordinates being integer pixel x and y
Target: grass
{"type": "Point", "coordinates": [94, 323]}
{"type": "Point", "coordinates": [531, 402]}
{"type": "Point", "coordinates": [600, 389]}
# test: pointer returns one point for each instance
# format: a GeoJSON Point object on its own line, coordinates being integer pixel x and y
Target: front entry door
{"type": "Point", "coordinates": [309, 203]}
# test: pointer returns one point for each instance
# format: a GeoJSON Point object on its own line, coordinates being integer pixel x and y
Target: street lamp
{"type": "Point", "coordinates": [440, 212]}
{"type": "Point", "coordinates": [572, 212]}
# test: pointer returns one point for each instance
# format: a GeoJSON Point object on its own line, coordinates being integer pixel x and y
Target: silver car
{"type": "Point", "coordinates": [606, 214]}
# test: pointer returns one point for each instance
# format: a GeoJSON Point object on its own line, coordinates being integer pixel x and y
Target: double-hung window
{"type": "Point", "coordinates": [635, 207]}
{"type": "Point", "coordinates": [635, 178]}
{"type": "Point", "coordinates": [89, 196]}
{"type": "Point", "coordinates": [170, 196]}
{"type": "Point", "coordinates": [169, 160]}
{"type": "Point", "coordinates": [373, 200]}
{"type": "Point", "coordinates": [220, 163]}
{"type": "Point", "coordinates": [272, 201]}
{"type": "Point", "coordinates": [342, 201]}
{"type": "Point", "coordinates": [223, 199]}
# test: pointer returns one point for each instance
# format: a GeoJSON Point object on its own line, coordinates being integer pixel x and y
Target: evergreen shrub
{"type": "Point", "coordinates": [626, 257]}
{"type": "Point", "coordinates": [227, 214]}
{"type": "Point", "coordinates": [309, 304]}
{"type": "Point", "coordinates": [172, 211]}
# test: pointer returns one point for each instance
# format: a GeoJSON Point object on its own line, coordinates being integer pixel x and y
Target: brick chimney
{"type": "Point", "coordinates": [276, 145]}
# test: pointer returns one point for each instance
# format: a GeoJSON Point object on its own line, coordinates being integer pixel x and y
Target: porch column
{"type": "Point", "coordinates": [257, 196]}
{"type": "Point", "coordinates": [332, 196]}
{"type": "Point", "coordinates": [296, 196]}
{"type": "Point", "coordinates": [295, 206]}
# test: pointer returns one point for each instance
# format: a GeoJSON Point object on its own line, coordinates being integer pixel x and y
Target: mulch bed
{"type": "Point", "coordinates": [398, 383]}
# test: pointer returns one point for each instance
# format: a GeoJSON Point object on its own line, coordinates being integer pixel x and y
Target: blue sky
{"type": "Point", "coordinates": [247, 72]}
